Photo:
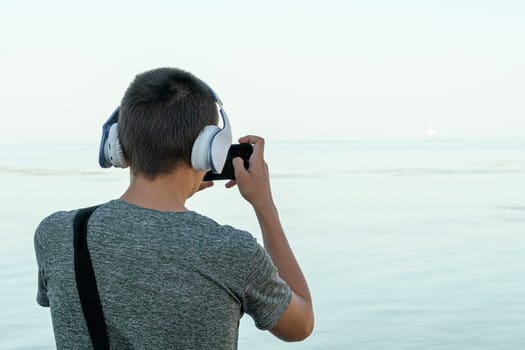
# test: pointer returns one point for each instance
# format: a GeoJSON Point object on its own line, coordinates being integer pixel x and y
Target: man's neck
{"type": "Point", "coordinates": [167, 192]}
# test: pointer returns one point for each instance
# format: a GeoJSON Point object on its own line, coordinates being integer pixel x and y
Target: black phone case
{"type": "Point", "coordinates": [243, 150]}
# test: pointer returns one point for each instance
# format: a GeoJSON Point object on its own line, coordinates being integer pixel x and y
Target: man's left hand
{"type": "Point", "coordinates": [204, 185]}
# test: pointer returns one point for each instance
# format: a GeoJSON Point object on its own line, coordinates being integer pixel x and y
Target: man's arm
{"type": "Point", "coordinates": [254, 184]}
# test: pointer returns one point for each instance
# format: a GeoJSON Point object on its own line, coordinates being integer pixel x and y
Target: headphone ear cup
{"type": "Point", "coordinates": [113, 150]}
{"type": "Point", "coordinates": [219, 148]}
{"type": "Point", "coordinates": [200, 153]}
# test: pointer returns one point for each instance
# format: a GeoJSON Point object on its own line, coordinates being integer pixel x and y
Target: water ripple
{"type": "Point", "coordinates": [48, 172]}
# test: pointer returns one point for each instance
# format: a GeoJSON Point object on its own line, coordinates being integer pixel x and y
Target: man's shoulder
{"type": "Point", "coordinates": [54, 224]}
{"type": "Point", "coordinates": [226, 235]}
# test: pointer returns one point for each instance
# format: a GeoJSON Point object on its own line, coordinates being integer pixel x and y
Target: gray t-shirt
{"type": "Point", "coordinates": [167, 280]}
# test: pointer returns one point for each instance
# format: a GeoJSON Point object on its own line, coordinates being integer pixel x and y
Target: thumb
{"type": "Point", "coordinates": [238, 166]}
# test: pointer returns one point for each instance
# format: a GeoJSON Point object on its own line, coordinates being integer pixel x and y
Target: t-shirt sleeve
{"type": "Point", "coordinates": [266, 296]}
{"type": "Point", "coordinates": [41, 296]}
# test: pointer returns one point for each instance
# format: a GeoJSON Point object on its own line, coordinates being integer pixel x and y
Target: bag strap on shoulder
{"type": "Point", "coordinates": [86, 282]}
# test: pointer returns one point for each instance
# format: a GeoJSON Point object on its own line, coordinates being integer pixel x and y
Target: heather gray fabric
{"type": "Point", "coordinates": [167, 280]}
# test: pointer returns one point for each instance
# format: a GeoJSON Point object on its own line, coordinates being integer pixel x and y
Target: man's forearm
{"type": "Point", "coordinates": [279, 249]}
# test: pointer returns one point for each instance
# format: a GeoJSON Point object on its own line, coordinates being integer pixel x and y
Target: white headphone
{"type": "Point", "coordinates": [209, 151]}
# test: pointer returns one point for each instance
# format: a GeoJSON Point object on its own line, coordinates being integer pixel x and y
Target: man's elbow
{"type": "Point", "coordinates": [307, 329]}
{"type": "Point", "coordinates": [297, 322]}
{"type": "Point", "coordinates": [302, 331]}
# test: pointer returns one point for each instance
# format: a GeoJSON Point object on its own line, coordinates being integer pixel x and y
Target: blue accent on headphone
{"type": "Point", "coordinates": [104, 163]}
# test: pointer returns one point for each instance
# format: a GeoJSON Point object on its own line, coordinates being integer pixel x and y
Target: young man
{"type": "Point", "coordinates": [170, 278]}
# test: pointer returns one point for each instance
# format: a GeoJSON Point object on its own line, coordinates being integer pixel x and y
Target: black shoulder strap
{"type": "Point", "coordinates": [86, 282]}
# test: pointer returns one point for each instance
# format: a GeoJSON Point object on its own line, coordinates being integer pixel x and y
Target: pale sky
{"type": "Point", "coordinates": [287, 70]}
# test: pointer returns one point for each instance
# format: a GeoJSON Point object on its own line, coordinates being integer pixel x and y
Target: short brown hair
{"type": "Point", "coordinates": [161, 115]}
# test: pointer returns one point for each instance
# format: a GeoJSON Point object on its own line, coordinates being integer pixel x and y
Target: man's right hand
{"type": "Point", "coordinates": [254, 183]}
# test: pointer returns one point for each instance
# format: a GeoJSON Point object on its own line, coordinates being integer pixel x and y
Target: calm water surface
{"type": "Point", "coordinates": [405, 244]}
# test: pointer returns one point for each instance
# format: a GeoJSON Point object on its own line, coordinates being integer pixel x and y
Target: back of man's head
{"type": "Point", "coordinates": [161, 115]}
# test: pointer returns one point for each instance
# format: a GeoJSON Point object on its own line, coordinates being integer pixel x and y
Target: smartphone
{"type": "Point", "coordinates": [243, 150]}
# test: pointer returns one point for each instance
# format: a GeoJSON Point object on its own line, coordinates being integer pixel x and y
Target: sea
{"type": "Point", "coordinates": [406, 244]}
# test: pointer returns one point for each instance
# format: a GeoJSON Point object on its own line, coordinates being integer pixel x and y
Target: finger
{"type": "Point", "coordinates": [230, 184]}
{"type": "Point", "coordinates": [258, 145]}
{"type": "Point", "coordinates": [252, 139]}
{"type": "Point", "coordinates": [240, 172]}
{"type": "Point", "coordinates": [205, 184]}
